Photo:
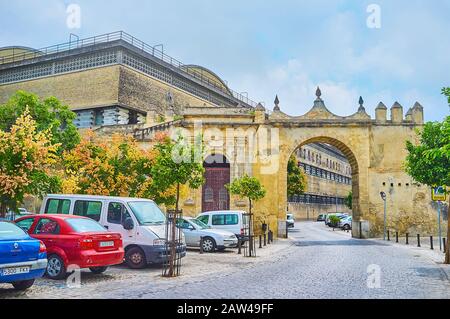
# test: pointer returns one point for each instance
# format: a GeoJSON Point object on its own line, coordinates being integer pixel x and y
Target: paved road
{"type": "Point", "coordinates": [319, 263]}
{"type": "Point", "coordinates": [326, 264]}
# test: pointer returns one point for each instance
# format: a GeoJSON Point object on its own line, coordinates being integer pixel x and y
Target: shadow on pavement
{"type": "Point", "coordinates": [349, 242]}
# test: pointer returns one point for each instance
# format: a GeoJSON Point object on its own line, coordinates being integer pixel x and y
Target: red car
{"type": "Point", "coordinates": [74, 240]}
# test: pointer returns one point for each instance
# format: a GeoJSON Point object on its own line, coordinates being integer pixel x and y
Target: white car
{"type": "Point", "coordinates": [233, 221]}
{"type": "Point", "coordinates": [346, 223]}
{"type": "Point", "coordinates": [290, 221]}
{"type": "Point", "coordinates": [213, 239]}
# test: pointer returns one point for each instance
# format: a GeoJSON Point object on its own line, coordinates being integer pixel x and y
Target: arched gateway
{"type": "Point", "coordinates": [260, 144]}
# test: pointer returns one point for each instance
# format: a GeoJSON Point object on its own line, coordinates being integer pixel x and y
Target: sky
{"type": "Point", "coordinates": [384, 51]}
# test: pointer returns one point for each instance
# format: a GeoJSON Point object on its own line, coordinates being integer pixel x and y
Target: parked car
{"type": "Point", "coordinates": [12, 216]}
{"type": "Point", "coordinates": [74, 240]}
{"type": "Point", "coordinates": [290, 221]}
{"type": "Point", "coordinates": [321, 217]}
{"type": "Point", "coordinates": [336, 224]}
{"type": "Point", "coordinates": [233, 221]}
{"type": "Point", "coordinates": [140, 222]}
{"type": "Point", "coordinates": [213, 239]}
{"type": "Point", "coordinates": [22, 258]}
{"type": "Point", "coordinates": [327, 219]}
{"type": "Point", "coordinates": [346, 223]}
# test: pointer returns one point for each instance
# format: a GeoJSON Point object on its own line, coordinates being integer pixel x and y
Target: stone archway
{"type": "Point", "coordinates": [350, 156]}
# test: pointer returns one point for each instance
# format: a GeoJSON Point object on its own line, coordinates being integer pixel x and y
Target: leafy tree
{"type": "Point", "coordinates": [296, 179]}
{"type": "Point", "coordinates": [247, 187]}
{"type": "Point", "coordinates": [176, 164]}
{"type": "Point", "coordinates": [349, 200]}
{"type": "Point", "coordinates": [48, 114]}
{"type": "Point", "coordinates": [26, 156]}
{"type": "Point", "coordinates": [334, 221]}
{"type": "Point", "coordinates": [429, 161]}
{"type": "Point", "coordinates": [113, 168]}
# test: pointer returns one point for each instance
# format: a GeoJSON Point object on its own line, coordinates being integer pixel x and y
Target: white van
{"type": "Point", "coordinates": [231, 220]}
{"type": "Point", "coordinates": [140, 222]}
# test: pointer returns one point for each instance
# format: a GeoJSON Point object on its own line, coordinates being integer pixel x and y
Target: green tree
{"type": "Point", "coordinates": [349, 200]}
{"type": "Point", "coordinates": [49, 113]}
{"type": "Point", "coordinates": [247, 187]}
{"type": "Point", "coordinates": [296, 179]}
{"type": "Point", "coordinates": [177, 163]}
{"type": "Point", "coordinates": [429, 161]}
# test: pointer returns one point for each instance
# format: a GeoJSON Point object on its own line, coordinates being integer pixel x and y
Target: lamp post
{"type": "Point", "coordinates": [439, 224]}
{"type": "Point", "coordinates": [383, 197]}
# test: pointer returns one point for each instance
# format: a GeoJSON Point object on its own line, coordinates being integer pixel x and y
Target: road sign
{"type": "Point", "coordinates": [438, 194]}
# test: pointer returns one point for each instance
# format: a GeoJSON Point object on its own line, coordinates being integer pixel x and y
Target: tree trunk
{"type": "Point", "coordinates": [3, 209]}
{"type": "Point", "coordinates": [447, 248]}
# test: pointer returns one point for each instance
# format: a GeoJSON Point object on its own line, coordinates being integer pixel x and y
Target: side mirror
{"type": "Point", "coordinates": [191, 227]}
{"type": "Point", "coordinates": [128, 224]}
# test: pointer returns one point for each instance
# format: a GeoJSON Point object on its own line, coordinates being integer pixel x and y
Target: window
{"type": "Point", "coordinates": [47, 226]}
{"type": "Point", "coordinates": [25, 224]}
{"type": "Point", "coordinates": [8, 230]}
{"type": "Point", "coordinates": [204, 219]}
{"type": "Point", "coordinates": [231, 219]}
{"type": "Point", "coordinates": [88, 209]}
{"type": "Point", "coordinates": [183, 224]}
{"type": "Point", "coordinates": [218, 219]}
{"type": "Point", "coordinates": [209, 195]}
{"type": "Point", "coordinates": [57, 206]}
{"type": "Point", "coordinates": [117, 213]}
{"type": "Point", "coordinates": [81, 225]}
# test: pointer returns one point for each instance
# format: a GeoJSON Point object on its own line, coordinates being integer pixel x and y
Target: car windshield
{"type": "Point", "coordinates": [199, 224]}
{"type": "Point", "coordinates": [147, 213]}
{"type": "Point", "coordinates": [8, 230]}
{"type": "Point", "coordinates": [81, 225]}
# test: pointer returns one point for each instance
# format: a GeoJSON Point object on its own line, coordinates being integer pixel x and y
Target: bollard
{"type": "Point", "coordinates": [444, 243]}
{"type": "Point", "coordinates": [418, 240]}
{"type": "Point", "coordinates": [265, 243]}
{"type": "Point", "coordinates": [239, 246]}
{"type": "Point", "coordinates": [201, 244]}
{"type": "Point", "coordinates": [260, 241]}
{"type": "Point", "coordinates": [396, 236]}
{"type": "Point", "coordinates": [388, 236]}
{"type": "Point", "coordinates": [431, 243]}
{"type": "Point", "coordinates": [407, 239]}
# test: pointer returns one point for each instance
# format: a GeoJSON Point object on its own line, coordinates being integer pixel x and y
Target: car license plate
{"type": "Point", "coordinates": [15, 271]}
{"type": "Point", "coordinates": [107, 244]}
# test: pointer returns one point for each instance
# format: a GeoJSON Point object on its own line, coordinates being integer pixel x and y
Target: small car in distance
{"type": "Point", "coordinates": [74, 240]}
{"type": "Point", "coordinates": [213, 239]}
{"type": "Point", "coordinates": [346, 223]}
{"type": "Point", "coordinates": [290, 221]}
{"type": "Point", "coordinates": [321, 217]}
{"type": "Point", "coordinates": [22, 258]}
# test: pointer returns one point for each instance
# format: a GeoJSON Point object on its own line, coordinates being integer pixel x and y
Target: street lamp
{"type": "Point", "coordinates": [383, 197]}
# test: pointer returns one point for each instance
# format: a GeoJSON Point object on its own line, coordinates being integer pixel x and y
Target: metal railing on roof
{"type": "Point", "coordinates": [121, 35]}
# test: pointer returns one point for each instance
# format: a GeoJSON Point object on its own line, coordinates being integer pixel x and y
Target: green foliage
{"type": "Point", "coordinates": [334, 220]}
{"type": "Point", "coordinates": [446, 92]}
{"type": "Point", "coordinates": [429, 161]}
{"type": "Point", "coordinates": [349, 200]}
{"type": "Point", "coordinates": [48, 114]}
{"type": "Point", "coordinates": [296, 179]}
{"type": "Point", "coordinates": [247, 187]}
{"type": "Point", "coordinates": [177, 163]}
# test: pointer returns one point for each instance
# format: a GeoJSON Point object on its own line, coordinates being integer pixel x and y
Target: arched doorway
{"type": "Point", "coordinates": [332, 168]}
{"type": "Point", "coordinates": [217, 174]}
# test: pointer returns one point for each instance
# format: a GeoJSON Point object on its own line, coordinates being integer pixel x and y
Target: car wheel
{"type": "Point", "coordinates": [135, 258]}
{"type": "Point", "coordinates": [23, 285]}
{"type": "Point", "coordinates": [55, 267]}
{"type": "Point", "coordinates": [346, 227]}
{"type": "Point", "coordinates": [98, 270]}
{"type": "Point", "coordinates": [208, 245]}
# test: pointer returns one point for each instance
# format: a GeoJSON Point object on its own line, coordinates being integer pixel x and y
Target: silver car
{"type": "Point", "coordinates": [213, 239]}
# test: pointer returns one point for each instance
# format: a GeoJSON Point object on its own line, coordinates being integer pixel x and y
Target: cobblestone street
{"type": "Point", "coordinates": [315, 263]}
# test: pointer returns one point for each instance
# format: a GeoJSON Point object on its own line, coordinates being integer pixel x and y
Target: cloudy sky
{"type": "Point", "coordinates": [274, 47]}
